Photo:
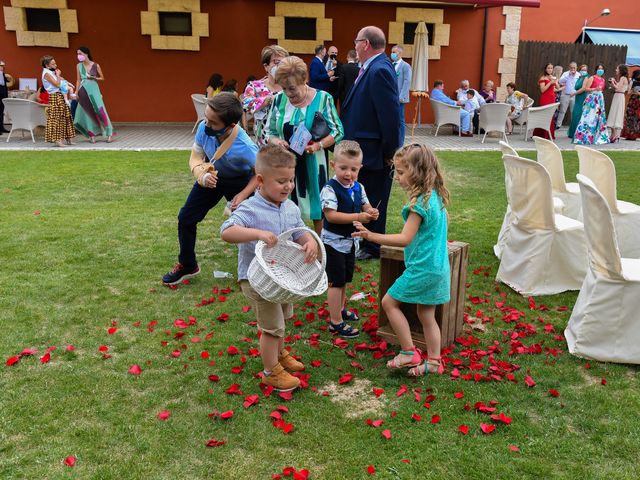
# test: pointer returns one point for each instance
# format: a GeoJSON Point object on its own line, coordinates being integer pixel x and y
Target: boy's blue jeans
{"type": "Point", "coordinates": [198, 204]}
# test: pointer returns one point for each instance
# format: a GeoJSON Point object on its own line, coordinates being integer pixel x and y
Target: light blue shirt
{"type": "Point", "coordinates": [258, 212]}
{"type": "Point", "coordinates": [439, 95]}
{"type": "Point", "coordinates": [569, 82]}
{"type": "Point", "coordinates": [238, 161]}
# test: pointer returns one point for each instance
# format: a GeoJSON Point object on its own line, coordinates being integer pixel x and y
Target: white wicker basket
{"type": "Point", "coordinates": [280, 274]}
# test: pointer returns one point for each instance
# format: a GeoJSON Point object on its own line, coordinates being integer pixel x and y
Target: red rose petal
{"type": "Point", "coordinates": [463, 429]}
{"type": "Point", "coordinates": [12, 360]}
{"type": "Point", "coordinates": [603, 381]}
{"type": "Point", "coordinates": [514, 448]}
{"type": "Point", "coordinates": [135, 370]}
{"type": "Point", "coordinates": [250, 400]}
{"type": "Point", "coordinates": [70, 461]}
{"type": "Point", "coordinates": [112, 330]}
{"type": "Point", "coordinates": [554, 393]}
{"type": "Point", "coordinates": [416, 417]}
{"type": "Point", "coordinates": [435, 419]}
{"type": "Point", "coordinates": [501, 418]}
{"type": "Point", "coordinates": [371, 470]}
{"type": "Point", "coordinates": [163, 415]}
{"type": "Point", "coordinates": [386, 434]}
{"type": "Point", "coordinates": [45, 358]}
{"type": "Point", "coordinates": [285, 395]}
{"type": "Point", "coordinates": [103, 348]}
{"type": "Point", "coordinates": [215, 443]}
{"type": "Point", "coordinates": [529, 381]}
{"type": "Point", "coordinates": [226, 415]}
{"type": "Point", "coordinates": [486, 428]}
{"type": "Point", "coordinates": [346, 378]}
{"type": "Point", "coordinates": [378, 391]}
{"type": "Point", "coordinates": [459, 395]}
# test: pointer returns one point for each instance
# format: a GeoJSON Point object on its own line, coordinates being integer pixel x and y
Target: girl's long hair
{"type": "Point", "coordinates": [424, 172]}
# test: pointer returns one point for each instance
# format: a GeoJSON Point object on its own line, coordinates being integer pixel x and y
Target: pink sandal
{"type": "Point", "coordinates": [432, 365]}
{"type": "Point", "coordinates": [416, 360]}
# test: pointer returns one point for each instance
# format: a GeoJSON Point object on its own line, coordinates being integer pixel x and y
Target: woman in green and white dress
{"type": "Point", "coordinates": [296, 105]}
{"type": "Point", "coordinates": [91, 118]}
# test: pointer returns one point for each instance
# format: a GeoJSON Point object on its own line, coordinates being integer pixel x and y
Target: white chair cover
{"type": "Point", "coordinates": [599, 168]}
{"type": "Point", "coordinates": [544, 253]}
{"type": "Point", "coordinates": [25, 115]}
{"type": "Point", "coordinates": [558, 204]}
{"type": "Point", "coordinates": [493, 118]}
{"type": "Point", "coordinates": [540, 117]}
{"type": "Point", "coordinates": [445, 114]}
{"type": "Point", "coordinates": [506, 149]}
{"type": "Point", "coordinates": [605, 319]}
{"type": "Point", "coordinates": [549, 155]}
{"type": "Point", "coordinates": [199, 103]}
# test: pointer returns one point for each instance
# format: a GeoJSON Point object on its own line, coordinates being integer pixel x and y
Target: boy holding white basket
{"type": "Point", "coordinates": [263, 217]}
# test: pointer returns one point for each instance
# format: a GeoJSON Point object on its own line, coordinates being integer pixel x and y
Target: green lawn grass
{"type": "Point", "coordinates": [84, 241]}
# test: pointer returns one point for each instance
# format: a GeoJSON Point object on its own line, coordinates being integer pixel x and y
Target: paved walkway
{"type": "Point", "coordinates": [178, 136]}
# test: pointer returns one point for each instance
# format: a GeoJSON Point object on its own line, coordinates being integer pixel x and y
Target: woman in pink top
{"type": "Point", "coordinates": [592, 129]}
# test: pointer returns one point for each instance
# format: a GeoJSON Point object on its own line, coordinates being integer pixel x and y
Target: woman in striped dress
{"type": "Point", "coordinates": [59, 121]}
{"type": "Point", "coordinates": [296, 107]}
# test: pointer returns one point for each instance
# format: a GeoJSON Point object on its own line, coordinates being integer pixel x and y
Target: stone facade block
{"type": "Point", "coordinates": [39, 3]}
{"type": "Point", "coordinates": [14, 19]}
{"type": "Point", "coordinates": [324, 29]}
{"type": "Point", "coordinates": [69, 21]}
{"type": "Point", "coordinates": [427, 15]}
{"type": "Point", "coordinates": [298, 9]}
{"type": "Point", "coordinates": [510, 51]}
{"type": "Point", "coordinates": [509, 37]}
{"type": "Point", "coordinates": [511, 10]}
{"type": "Point", "coordinates": [507, 65]}
{"type": "Point", "coordinates": [149, 23]}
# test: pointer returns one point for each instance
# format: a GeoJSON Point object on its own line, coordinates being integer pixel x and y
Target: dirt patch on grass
{"type": "Point", "coordinates": [588, 378]}
{"type": "Point", "coordinates": [357, 398]}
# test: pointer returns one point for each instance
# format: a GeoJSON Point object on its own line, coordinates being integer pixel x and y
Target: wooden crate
{"type": "Point", "coordinates": [449, 316]}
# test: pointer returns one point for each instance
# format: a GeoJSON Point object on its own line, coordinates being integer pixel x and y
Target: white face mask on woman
{"type": "Point", "coordinates": [273, 71]}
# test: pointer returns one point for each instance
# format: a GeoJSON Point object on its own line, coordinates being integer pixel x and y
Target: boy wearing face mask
{"type": "Point", "coordinates": [222, 161]}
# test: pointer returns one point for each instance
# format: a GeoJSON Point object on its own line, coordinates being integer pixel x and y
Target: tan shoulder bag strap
{"type": "Point", "coordinates": [226, 145]}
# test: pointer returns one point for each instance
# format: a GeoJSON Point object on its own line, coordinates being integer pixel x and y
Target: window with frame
{"type": "Point", "coordinates": [410, 31]}
{"type": "Point", "coordinates": [299, 28]}
{"type": "Point", "coordinates": [175, 23]}
{"type": "Point", "coordinates": [43, 19]}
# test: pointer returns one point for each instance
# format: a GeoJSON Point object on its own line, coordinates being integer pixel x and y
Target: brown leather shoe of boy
{"type": "Point", "coordinates": [289, 363]}
{"type": "Point", "coordinates": [281, 380]}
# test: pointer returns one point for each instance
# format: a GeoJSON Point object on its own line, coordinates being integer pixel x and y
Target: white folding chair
{"type": "Point", "coordinates": [599, 168]}
{"type": "Point", "coordinates": [493, 118]}
{"type": "Point", "coordinates": [540, 117]}
{"type": "Point", "coordinates": [445, 115]}
{"type": "Point", "coordinates": [524, 116]}
{"type": "Point", "coordinates": [544, 253]}
{"type": "Point", "coordinates": [549, 155]}
{"type": "Point", "coordinates": [199, 103]}
{"type": "Point", "coordinates": [604, 322]}
{"type": "Point", "coordinates": [25, 115]}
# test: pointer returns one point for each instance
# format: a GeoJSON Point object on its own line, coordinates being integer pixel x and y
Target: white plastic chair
{"type": "Point", "coordinates": [540, 117]}
{"type": "Point", "coordinates": [493, 118]}
{"type": "Point", "coordinates": [604, 322]}
{"type": "Point", "coordinates": [507, 149]}
{"type": "Point", "coordinates": [25, 115]}
{"type": "Point", "coordinates": [599, 168]}
{"type": "Point", "coordinates": [524, 116]}
{"type": "Point", "coordinates": [445, 114]}
{"type": "Point", "coordinates": [549, 155]}
{"type": "Point", "coordinates": [544, 253]}
{"type": "Point", "coordinates": [199, 103]}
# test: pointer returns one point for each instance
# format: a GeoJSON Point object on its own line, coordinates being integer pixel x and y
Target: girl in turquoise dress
{"type": "Point", "coordinates": [426, 279]}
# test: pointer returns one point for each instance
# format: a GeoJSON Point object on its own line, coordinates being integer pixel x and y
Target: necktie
{"type": "Point", "coordinates": [360, 72]}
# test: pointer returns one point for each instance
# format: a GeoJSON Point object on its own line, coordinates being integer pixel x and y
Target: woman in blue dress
{"type": "Point", "coordinates": [426, 279]}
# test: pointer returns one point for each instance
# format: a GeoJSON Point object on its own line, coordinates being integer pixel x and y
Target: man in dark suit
{"type": "Point", "coordinates": [319, 77]}
{"type": "Point", "coordinates": [348, 74]}
{"type": "Point", "coordinates": [332, 64]}
{"type": "Point", "coordinates": [371, 116]}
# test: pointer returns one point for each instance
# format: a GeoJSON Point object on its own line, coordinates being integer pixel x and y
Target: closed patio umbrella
{"type": "Point", "coordinates": [419, 77]}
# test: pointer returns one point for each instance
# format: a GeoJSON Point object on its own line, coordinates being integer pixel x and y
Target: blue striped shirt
{"type": "Point", "coordinates": [258, 212]}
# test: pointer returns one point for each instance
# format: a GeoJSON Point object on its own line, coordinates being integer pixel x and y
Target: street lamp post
{"type": "Point", "coordinates": [605, 12]}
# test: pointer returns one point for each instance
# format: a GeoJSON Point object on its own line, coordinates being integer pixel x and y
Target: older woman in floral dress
{"type": "Point", "coordinates": [291, 110]}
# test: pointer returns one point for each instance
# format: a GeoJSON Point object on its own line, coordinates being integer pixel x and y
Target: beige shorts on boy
{"type": "Point", "coordinates": [270, 316]}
